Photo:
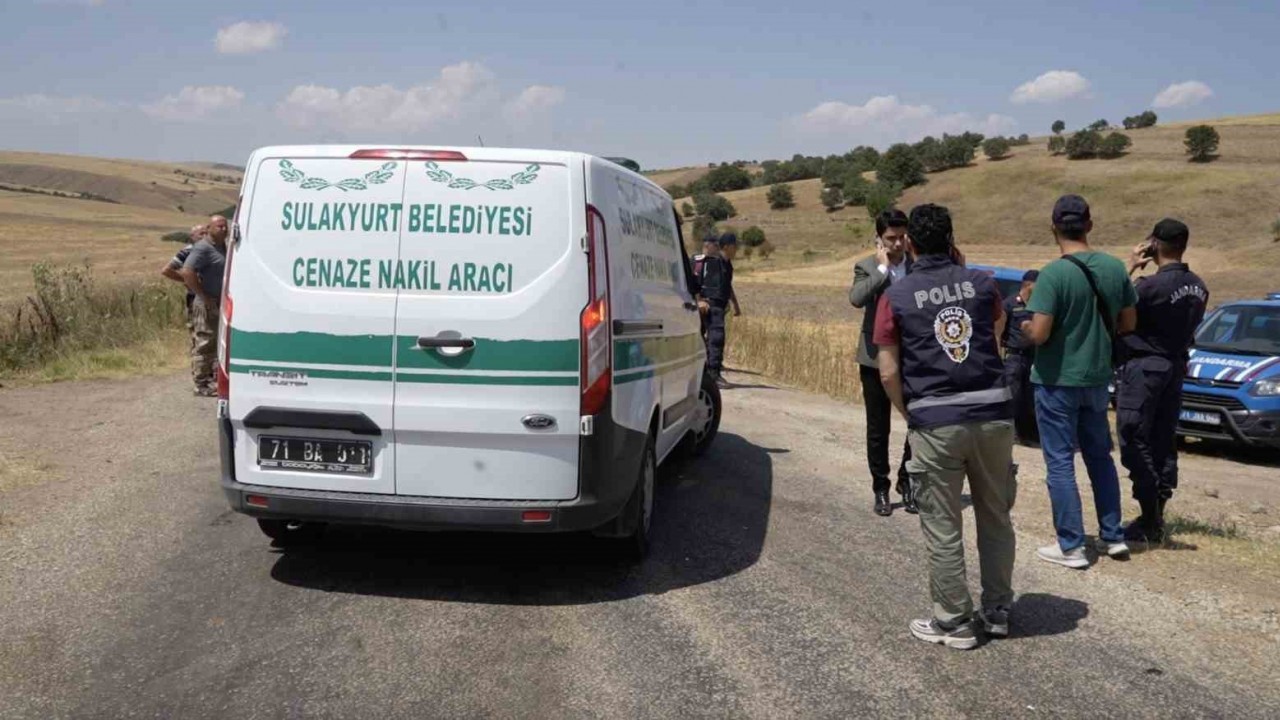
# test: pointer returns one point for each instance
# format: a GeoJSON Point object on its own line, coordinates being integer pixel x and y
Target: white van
{"type": "Point", "coordinates": [460, 338]}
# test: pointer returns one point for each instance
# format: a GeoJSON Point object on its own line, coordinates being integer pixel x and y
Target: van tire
{"type": "Point", "coordinates": [638, 513]}
{"type": "Point", "coordinates": [700, 438]}
{"type": "Point", "coordinates": [290, 533]}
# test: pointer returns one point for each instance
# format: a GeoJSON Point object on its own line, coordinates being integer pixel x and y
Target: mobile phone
{"type": "Point", "coordinates": [1150, 250]}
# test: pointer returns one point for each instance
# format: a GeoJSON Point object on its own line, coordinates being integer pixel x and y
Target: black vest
{"type": "Point", "coordinates": [951, 367]}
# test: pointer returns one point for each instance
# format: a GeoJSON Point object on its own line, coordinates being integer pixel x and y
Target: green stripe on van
{"type": "Point", "coordinates": [642, 352]}
{"type": "Point", "coordinates": [375, 350]}
{"type": "Point", "coordinates": [287, 373]}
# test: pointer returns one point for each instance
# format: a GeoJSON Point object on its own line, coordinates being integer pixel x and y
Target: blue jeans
{"type": "Point", "coordinates": [1070, 418]}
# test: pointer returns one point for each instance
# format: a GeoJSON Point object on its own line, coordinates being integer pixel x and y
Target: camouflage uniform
{"type": "Point", "coordinates": [204, 344]}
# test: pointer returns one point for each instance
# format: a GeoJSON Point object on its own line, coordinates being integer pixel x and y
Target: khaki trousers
{"type": "Point", "coordinates": [941, 457]}
{"type": "Point", "coordinates": [204, 343]}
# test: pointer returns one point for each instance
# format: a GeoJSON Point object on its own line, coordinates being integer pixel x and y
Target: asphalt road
{"type": "Point", "coordinates": [127, 589]}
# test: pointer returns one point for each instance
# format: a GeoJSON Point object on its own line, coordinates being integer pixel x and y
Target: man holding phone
{"type": "Point", "coordinates": [1171, 304]}
{"type": "Point", "coordinates": [872, 276]}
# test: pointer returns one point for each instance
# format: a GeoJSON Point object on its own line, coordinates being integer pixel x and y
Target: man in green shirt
{"type": "Point", "coordinates": [1071, 371]}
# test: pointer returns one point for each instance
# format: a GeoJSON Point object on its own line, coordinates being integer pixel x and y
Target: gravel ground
{"type": "Point", "coordinates": [128, 590]}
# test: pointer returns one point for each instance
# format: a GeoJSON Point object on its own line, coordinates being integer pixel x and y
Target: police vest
{"type": "Point", "coordinates": [951, 368]}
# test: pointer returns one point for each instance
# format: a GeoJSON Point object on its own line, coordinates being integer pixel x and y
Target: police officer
{"type": "Point", "coordinates": [938, 333]}
{"type": "Point", "coordinates": [1171, 304]}
{"type": "Point", "coordinates": [1017, 361]}
{"type": "Point", "coordinates": [715, 293]}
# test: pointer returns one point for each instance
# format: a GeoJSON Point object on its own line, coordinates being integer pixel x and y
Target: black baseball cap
{"type": "Point", "coordinates": [728, 239]}
{"type": "Point", "coordinates": [1172, 232]}
{"type": "Point", "coordinates": [1070, 210]}
{"type": "Point", "coordinates": [1030, 276]}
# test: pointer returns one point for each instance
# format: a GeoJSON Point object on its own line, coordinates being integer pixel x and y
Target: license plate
{"type": "Point", "coordinates": [1203, 418]}
{"type": "Point", "coordinates": [345, 457]}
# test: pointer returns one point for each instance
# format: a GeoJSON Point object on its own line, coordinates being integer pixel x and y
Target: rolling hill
{"type": "Point", "coordinates": [111, 213]}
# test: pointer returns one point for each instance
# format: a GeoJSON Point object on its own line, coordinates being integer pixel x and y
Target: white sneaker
{"type": "Point", "coordinates": [1074, 558]}
{"type": "Point", "coordinates": [1112, 549]}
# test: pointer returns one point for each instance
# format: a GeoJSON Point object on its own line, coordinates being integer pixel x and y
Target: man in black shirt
{"type": "Point", "coordinates": [1019, 352]}
{"type": "Point", "coordinates": [1171, 304]}
{"type": "Point", "coordinates": [715, 293]}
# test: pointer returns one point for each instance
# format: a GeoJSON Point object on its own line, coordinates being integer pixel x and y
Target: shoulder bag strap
{"type": "Point", "coordinates": [1098, 300]}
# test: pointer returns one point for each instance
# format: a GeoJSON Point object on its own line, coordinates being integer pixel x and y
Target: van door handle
{"type": "Point", "coordinates": [636, 327]}
{"type": "Point", "coordinates": [437, 343]}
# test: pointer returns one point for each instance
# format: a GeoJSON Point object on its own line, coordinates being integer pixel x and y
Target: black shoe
{"type": "Point", "coordinates": [1140, 531]}
{"type": "Point", "coordinates": [884, 508]}
{"type": "Point", "coordinates": [908, 493]}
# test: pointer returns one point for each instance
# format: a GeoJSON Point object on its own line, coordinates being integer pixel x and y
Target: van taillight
{"type": "Point", "coordinates": [222, 372]}
{"type": "Point", "coordinates": [596, 354]}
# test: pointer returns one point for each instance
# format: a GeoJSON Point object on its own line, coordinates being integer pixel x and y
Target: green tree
{"type": "Point", "coordinates": [864, 158]}
{"type": "Point", "coordinates": [996, 148]}
{"type": "Point", "coordinates": [958, 150]}
{"type": "Point", "coordinates": [1100, 125]}
{"type": "Point", "coordinates": [780, 197]}
{"type": "Point", "coordinates": [1147, 119]}
{"type": "Point", "coordinates": [929, 151]}
{"type": "Point", "coordinates": [1058, 127]}
{"type": "Point", "coordinates": [752, 237]}
{"type": "Point", "coordinates": [676, 190]}
{"type": "Point", "coordinates": [1057, 145]}
{"type": "Point", "coordinates": [855, 188]}
{"type": "Point", "coordinates": [726, 178]}
{"type": "Point", "coordinates": [713, 206]}
{"type": "Point", "coordinates": [1084, 144]}
{"type": "Point", "coordinates": [1202, 143]}
{"type": "Point", "coordinates": [832, 198]}
{"type": "Point", "coordinates": [703, 227]}
{"type": "Point", "coordinates": [899, 165]}
{"type": "Point", "coordinates": [881, 197]}
{"type": "Point", "coordinates": [1114, 145]}
{"type": "Point", "coordinates": [687, 210]}
{"type": "Point", "coordinates": [1024, 139]}
{"type": "Point", "coordinates": [973, 139]}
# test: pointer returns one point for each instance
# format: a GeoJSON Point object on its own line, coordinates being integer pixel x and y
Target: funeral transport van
{"type": "Point", "coordinates": [460, 338]}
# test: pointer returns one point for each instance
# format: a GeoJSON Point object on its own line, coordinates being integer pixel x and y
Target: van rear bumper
{"type": "Point", "coordinates": [608, 469]}
{"type": "Point", "coordinates": [414, 513]}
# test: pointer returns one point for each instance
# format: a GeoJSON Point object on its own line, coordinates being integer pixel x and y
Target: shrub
{"type": "Point", "coordinates": [70, 314]}
{"type": "Point", "coordinates": [780, 197]}
{"type": "Point", "coordinates": [1023, 139]}
{"type": "Point", "coordinates": [1057, 145]}
{"type": "Point", "coordinates": [855, 189]}
{"type": "Point", "coordinates": [1114, 145]}
{"type": "Point", "coordinates": [1058, 127]}
{"type": "Point", "coordinates": [676, 190]}
{"type": "Point", "coordinates": [178, 236]}
{"type": "Point", "coordinates": [881, 197]}
{"type": "Point", "coordinates": [1202, 142]}
{"type": "Point", "coordinates": [748, 251]}
{"type": "Point", "coordinates": [997, 148]}
{"type": "Point", "coordinates": [1275, 230]}
{"type": "Point", "coordinates": [1144, 120]}
{"type": "Point", "coordinates": [832, 198]}
{"type": "Point", "coordinates": [864, 158]}
{"type": "Point", "coordinates": [727, 178]}
{"type": "Point", "coordinates": [702, 227]}
{"type": "Point", "coordinates": [686, 209]}
{"type": "Point", "coordinates": [1084, 144]}
{"type": "Point", "coordinates": [752, 237]}
{"type": "Point", "coordinates": [713, 206]}
{"type": "Point", "coordinates": [1099, 125]}
{"type": "Point", "coordinates": [765, 249]}
{"type": "Point", "coordinates": [899, 165]}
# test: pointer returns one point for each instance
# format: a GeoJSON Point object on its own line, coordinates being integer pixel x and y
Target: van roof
{"type": "Point", "coordinates": [480, 154]}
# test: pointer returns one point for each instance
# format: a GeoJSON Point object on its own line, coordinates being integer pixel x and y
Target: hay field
{"type": "Point", "coordinates": [118, 233]}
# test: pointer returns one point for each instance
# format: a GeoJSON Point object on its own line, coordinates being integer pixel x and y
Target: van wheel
{"type": "Point", "coordinates": [707, 421]}
{"type": "Point", "coordinates": [290, 533]}
{"type": "Point", "coordinates": [639, 509]}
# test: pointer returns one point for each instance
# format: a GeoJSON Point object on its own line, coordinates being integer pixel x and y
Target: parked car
{"type": "Point", "coordinates": [1232, 388]}
{"type": "Point", "coordinates": [1008, 279]}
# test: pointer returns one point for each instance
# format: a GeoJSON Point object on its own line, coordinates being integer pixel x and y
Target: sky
{"type": "Point", "coordinates": [665, 83]}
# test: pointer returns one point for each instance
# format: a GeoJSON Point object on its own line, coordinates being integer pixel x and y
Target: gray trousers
{"type": "Point", "coordinates": [941, 458]}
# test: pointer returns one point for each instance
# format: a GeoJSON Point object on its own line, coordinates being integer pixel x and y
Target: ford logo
{"type": "Point", "coordinates": [539, 422]}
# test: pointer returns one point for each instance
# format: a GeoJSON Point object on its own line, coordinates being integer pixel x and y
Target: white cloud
{"type": "Point", "coordinates": [458, 89]}
{"type": "Point", "coordinates": [1053, 86]}
{"type": "Point", "coordinates": [54, 107]}
{"type": "Point", "coordinates": [886, 119]}
{"type": "Point", "coordinates": [534, 101]}
{"type": "Point", "coordinates": [195, 102]}
{"type": "Point", "coordinates": [1184, 94]}
{"type": "Point", "coordinates": [244, 38]}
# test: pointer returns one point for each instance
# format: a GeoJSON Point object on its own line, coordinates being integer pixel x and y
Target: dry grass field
{"type": "Point", "coordinates": [118, 234]}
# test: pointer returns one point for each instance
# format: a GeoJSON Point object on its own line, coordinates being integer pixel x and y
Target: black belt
{"type": "Point", "coordinates": [1021, 352]}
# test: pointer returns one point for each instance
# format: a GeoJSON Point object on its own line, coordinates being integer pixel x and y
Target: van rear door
{"type": "Point", "coordinates": [492, 280]}
{"type": "Point", "coordinates": [311, 349]}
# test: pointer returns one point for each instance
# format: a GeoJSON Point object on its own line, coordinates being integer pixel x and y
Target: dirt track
{"type": "Point", "coordinates": [127, 589]}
